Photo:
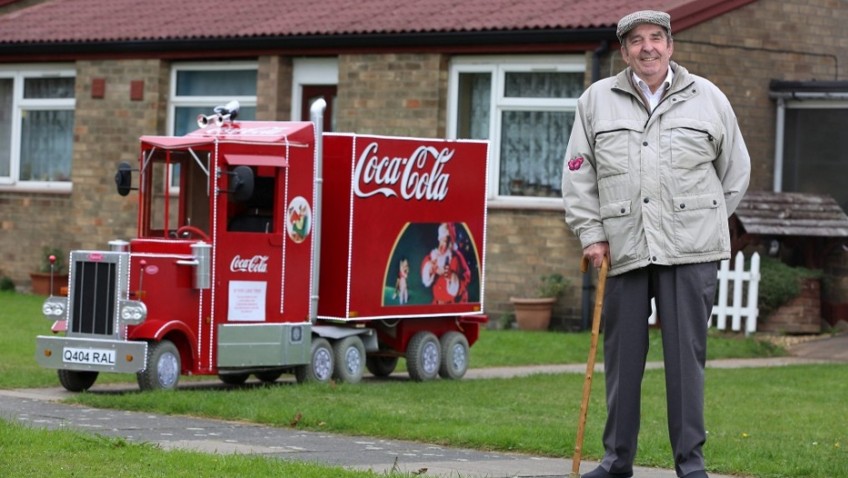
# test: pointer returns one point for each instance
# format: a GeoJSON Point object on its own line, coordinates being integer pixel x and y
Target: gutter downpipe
{"type": "Point", "coordinates": [588, 286]}
{"type": "Point", "coordinates": [779, 130]}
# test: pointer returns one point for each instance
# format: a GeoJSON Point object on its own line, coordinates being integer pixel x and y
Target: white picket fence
{"type": "Point", "coordinates": [738, 309]}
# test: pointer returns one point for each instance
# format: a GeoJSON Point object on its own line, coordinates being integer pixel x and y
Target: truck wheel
{"type": "Point", "coordinates": [381, 366]}
{"type": "Point", "coordinates": [76, 381]}
{"type": "Point", "coordinates": [268, 376]}
{"type": "Point", "coordinates": [423, 355]}
{"type": "Point", "coordinates": [454, 355]}
{"type": "Point", "coordinates": [320, 366]}
{"type": "Point", "coordinates": [233, 378]}
{"type": "Point", "coordinates": [163, 367]}
{"type": "Point", "coordinates": [350, 359]}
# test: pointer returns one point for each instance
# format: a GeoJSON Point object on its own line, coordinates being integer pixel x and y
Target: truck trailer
{"type": "Point", "coordinates": [271, 247]}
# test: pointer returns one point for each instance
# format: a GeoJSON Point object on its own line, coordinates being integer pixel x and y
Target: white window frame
{"type": "Point", "coordinates": [498, 67]}
{"type": "Point", "coordinates": [311, 71]}
{"type": "Point", "coordinates": [175, 101]}
{"type": "Point", "coordinates": [780, 136]}
{"type": "Point", "coordinates": [18, 73]}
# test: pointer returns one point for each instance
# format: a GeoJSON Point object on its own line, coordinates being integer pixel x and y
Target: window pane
{"type": "Point", "coordinates": [816, 152]}
{"type": "Point", "coordinates": [185, 117]}
{"type": "Point", "coordinates": [46, 145]}
{"type": "Point", "coordinates": [41, 88]}
{"type": "Point", "coordinates": [543, 85]}
{"type": "Point", "coordinates": [6, 126]}
{"type": "Point", "coordinates": [474, 105]}
{"type": "Point", "coordinates": [532, 148]}
{"type": "Point", "coordinates": [216, 83]}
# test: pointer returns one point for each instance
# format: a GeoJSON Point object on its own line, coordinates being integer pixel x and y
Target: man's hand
{"type": "Point", "coordinates": [596, 253]}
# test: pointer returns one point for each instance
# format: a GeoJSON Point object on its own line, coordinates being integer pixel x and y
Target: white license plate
{"type": "Point", "coordinates": [88, 356]}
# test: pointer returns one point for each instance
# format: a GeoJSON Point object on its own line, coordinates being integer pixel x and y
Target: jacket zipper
{"type": "Point", "coordinates": [663, 100]}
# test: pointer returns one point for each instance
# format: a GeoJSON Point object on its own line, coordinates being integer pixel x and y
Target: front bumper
{"type": "Point", "coordinates": [86, 354]}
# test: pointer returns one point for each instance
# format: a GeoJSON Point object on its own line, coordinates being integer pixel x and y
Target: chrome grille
{"type": "Point", "coordinates": [96, 279]}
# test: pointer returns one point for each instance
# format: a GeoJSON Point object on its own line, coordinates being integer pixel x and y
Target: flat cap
{"type": "Point", "coordinates": [630, 21]}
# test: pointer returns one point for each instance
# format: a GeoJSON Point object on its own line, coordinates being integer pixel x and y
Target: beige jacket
{"type": "Point", "coordinates": [659, 187]}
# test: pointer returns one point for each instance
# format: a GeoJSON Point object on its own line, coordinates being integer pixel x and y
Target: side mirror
{"type": "Point", "coordinates": [123, 178]}
{"type": "Point", "coordinates": [241, 183]}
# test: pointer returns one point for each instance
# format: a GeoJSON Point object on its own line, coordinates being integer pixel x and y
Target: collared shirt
{"type": "Point", "coordinates": [654, 98]}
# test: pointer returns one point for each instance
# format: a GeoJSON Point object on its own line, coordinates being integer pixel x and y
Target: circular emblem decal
{"type": "Point", "coordinates": [298, 219]}
{"type": "Point", "coordinates": [151, 269]}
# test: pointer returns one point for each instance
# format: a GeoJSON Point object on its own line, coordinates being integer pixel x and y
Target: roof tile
{"type": "Point", "coordinates": [64, 21]}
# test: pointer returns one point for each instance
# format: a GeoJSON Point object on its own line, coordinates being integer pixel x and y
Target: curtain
{"type": "Point", "coordinates": [533, 142]}
{"type": "Point", "coordinates": [47, 135]}
{"type": "Point", "coordinates": [6, 86]}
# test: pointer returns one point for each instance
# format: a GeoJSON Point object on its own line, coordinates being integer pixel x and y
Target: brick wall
{"type": "Point", "coordinates": [107, 132]}
{"type": "Point", "coordinates": [24, 220]}
{"type": "Point", "coordinates": [392, 94]}
{"type": "Point", "coordinates": [274, 88]}
{"type": "Point", "coordinates": [801, 315]}
{"type": "Point", "coordinates": [835, 287]}
{"type": "Point", "coordinates": [522, 246]}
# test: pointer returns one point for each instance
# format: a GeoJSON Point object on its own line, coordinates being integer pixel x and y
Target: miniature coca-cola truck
{"type": "Point", "coordinates": [269, 247]}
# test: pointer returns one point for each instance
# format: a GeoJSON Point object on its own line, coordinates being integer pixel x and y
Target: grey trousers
{"type": "Point", "coordinates": [684, 297]}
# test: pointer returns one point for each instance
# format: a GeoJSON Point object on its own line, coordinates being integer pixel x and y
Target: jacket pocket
{"type": "Point", "coordinates": [620, 231]}
{"type": "Point", "coordinates": [694, 144]}
{"type": "Point", "coordinates": [613, 143]}
{"type": "Point", "coordinates": [700, 224]}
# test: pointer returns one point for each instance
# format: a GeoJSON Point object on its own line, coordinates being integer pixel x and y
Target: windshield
{"type": "Point", "coordinates": [175, 192]}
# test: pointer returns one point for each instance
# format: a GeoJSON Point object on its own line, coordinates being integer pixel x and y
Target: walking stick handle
{"type": "Point", "coordinates": [590, 364]}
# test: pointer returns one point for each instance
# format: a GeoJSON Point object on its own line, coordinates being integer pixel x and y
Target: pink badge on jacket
{"type": "Point", "coordinates": [574, 164]}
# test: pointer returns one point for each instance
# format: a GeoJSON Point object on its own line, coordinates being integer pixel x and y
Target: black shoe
{"type": "Point", "coordinates": [602, 473]}
{"type": "Point", "coordinates": [697, 474]}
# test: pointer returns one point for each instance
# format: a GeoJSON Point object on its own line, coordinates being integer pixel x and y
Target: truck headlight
{"type": "Point", "coordinates": [54, 308]}
{"type": "Point", "coordinates": [132, 312]}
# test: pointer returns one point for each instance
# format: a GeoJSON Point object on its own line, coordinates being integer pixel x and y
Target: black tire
{"type": "Point", "coordinates": [77, 381]}
{"type": "Point", "coordinates": [381, 366]}
{"type": "Point", "coordinates": [423, 357]}
{"type": "Point", "coordinates": [320, 366]}
{"type": "Point", "coordinates": [233, 378]}
{"type": "Point", "coordinates": [163, 367]}
{"type": "Point", "coordinates": [268, 376]}
{"type": "Point", "coordinates": [454, 356]}
{"type": "Point", "coordinates": [350, 359]}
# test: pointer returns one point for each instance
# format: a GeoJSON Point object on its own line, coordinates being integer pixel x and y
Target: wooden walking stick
{"type": "Point", "coordinates": [590, 364]}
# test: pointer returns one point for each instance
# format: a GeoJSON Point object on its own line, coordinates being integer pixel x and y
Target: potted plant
{"type": "Point", "coordinates": [41, 282]}
{"type": "Point", "coordinates": [534, 313]}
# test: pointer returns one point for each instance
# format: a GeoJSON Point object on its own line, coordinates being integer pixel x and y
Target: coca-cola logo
{"type": "Point", "coordinates": [420, 176]}
{"type": "Point", "coordinates": [256, 264]}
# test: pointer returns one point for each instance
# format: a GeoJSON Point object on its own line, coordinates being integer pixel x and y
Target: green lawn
{"type": "Point", "coordinates": [27, 452]}
{"type": "Point", "coordinates": [21, 321]}
{"type": "Point", "coordinates": [775, 422]}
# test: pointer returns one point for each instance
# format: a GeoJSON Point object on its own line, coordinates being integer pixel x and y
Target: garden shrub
{"type": "Point", "coordinates": [779, 283]}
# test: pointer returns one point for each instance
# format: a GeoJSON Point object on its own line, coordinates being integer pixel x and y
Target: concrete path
{"type": "Point", "coordinates": [41, 408]}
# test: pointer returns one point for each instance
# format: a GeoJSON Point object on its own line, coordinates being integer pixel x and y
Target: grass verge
{"type": "Point", "coordinates": [773, 422]}
{"type": "Point", "coordinates": [21, 321]}
{"type": "Point", "coordinates": [33, 452]}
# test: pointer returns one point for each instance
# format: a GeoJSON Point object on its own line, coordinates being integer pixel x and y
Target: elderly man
{"type": "Point", "coordinates": [654, 167]}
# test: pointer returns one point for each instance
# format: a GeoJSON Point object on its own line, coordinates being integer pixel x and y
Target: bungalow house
{"type": "Point", "coordinates": [82, 80]}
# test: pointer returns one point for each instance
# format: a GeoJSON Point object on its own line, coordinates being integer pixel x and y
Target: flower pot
{"type": "Point", "coordinates": [41, 283]}
{"type": "Point", "coordinates": [533, 314]}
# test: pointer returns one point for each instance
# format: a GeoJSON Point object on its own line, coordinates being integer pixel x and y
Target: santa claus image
{"type": "Point", "coordinates": [445, 270]}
